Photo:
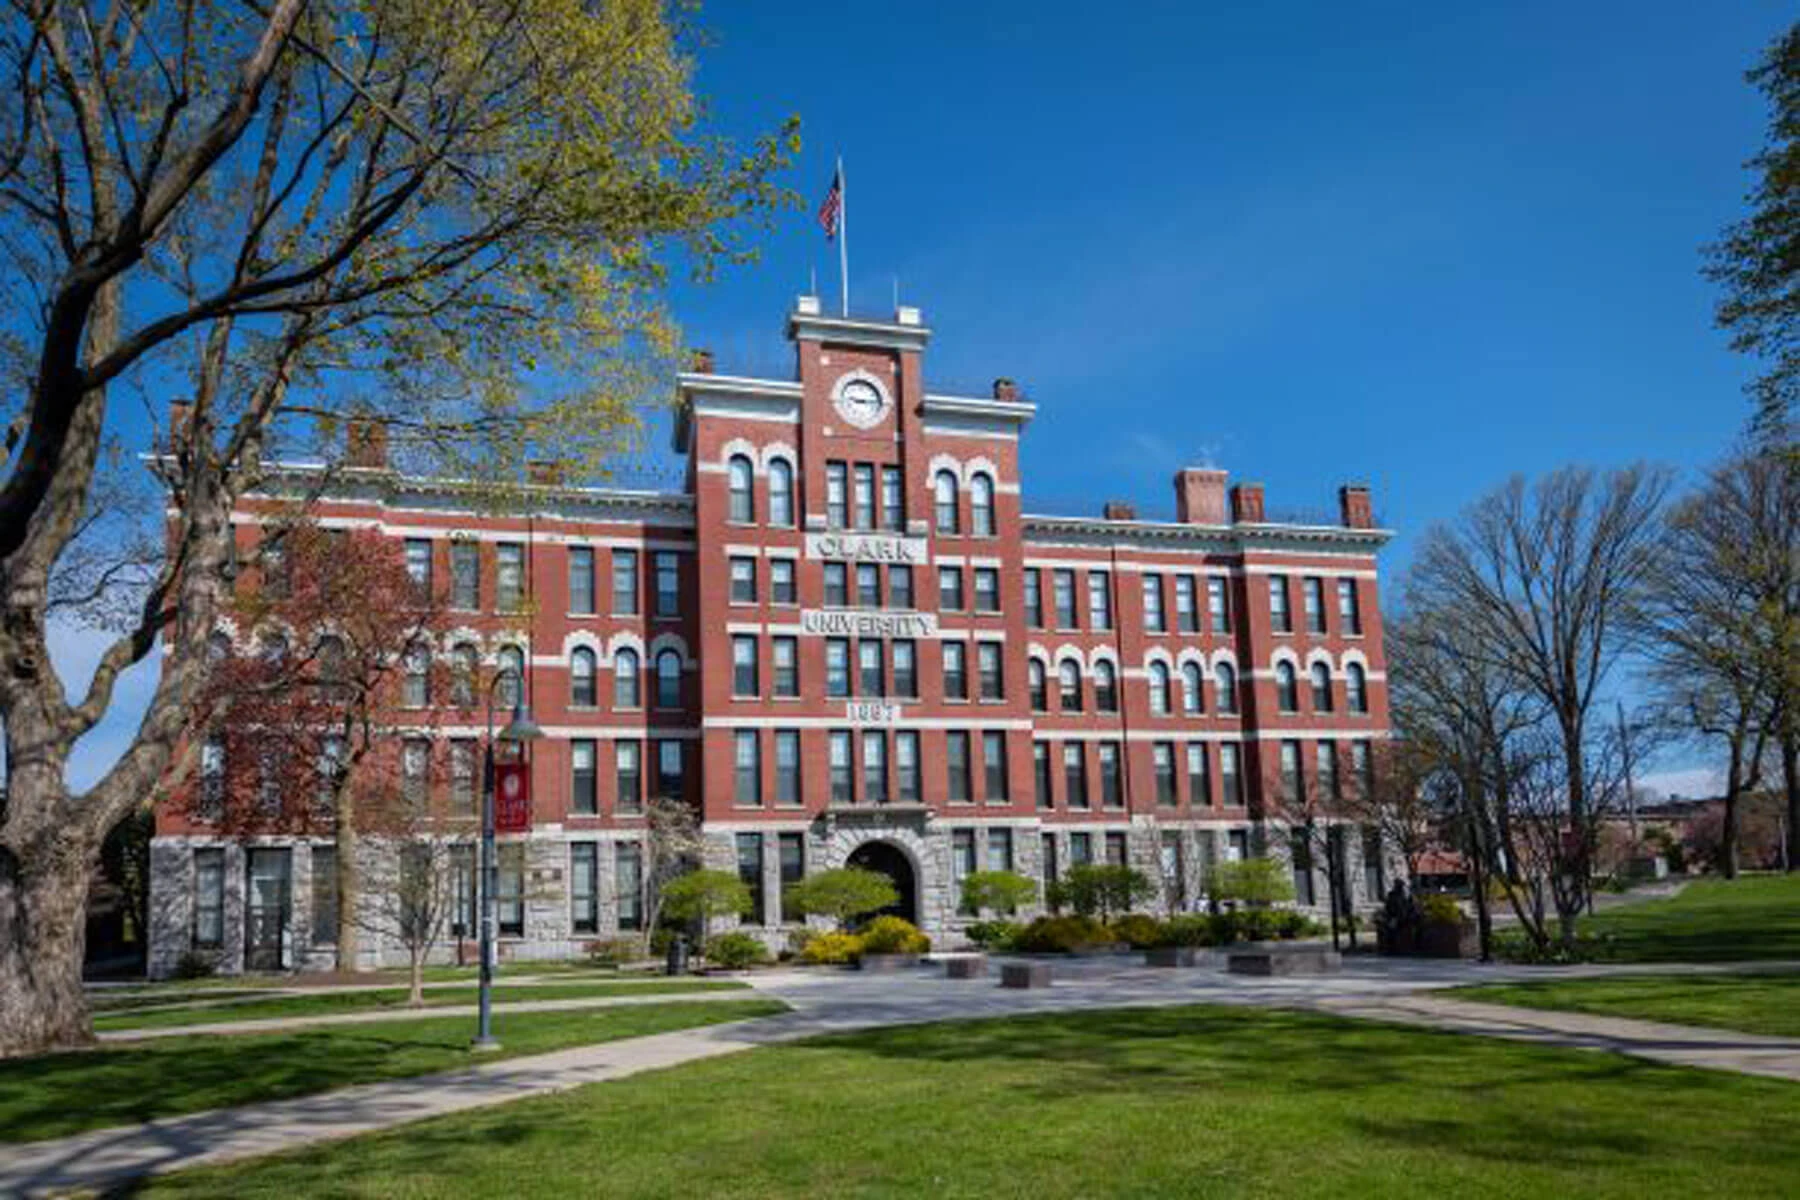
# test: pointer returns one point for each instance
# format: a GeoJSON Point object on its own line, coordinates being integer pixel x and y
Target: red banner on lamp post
{"type": "Point", "coordinates": [512, 797]}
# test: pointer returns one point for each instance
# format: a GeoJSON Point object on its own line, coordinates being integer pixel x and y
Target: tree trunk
{"type": "Point", "coordinates": [349, 932]}
{"type": "Point", "coordinates": [1728, 833]}
{"type": "Point", "coordinates": [416, 997]}
{"type": "Point", "coordinates": [1790, 779]}
{"type": "Point", "coordinates": [43, 939]}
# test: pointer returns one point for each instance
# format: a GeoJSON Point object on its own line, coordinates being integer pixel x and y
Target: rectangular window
{"type": "Point", "coordinates": [1327, 772]}
{"type": "Point", "coordinates": [950, 589]}
{"type": "Point", "coordinates": [511, 890]}
{"type": "Point", "coordinates": [868, 585]}
{"type": "Point", "coordinates": [1040, 774]}
{"type": "Point", "coordinates": [1100, 599]}
{"type": "Point", "coordinates": [1291, 782]}
{"type": "Point", "coordinates": [870, 669]}
{"type": "Point", "coordinates": [787, 766]}
{"type": "Point", "coordinates": [987, 590]}
{"type": "Point", "coordinates": [1187, 606]}
{"type": "Point", "coordinates": [988, 665]}
{"type": "Point", "coordinates": [837, 585]}
{"type": "Point", "coordinates": [418, 568]}
{"type": "Point", "coordinates": [1218, 604]}
{"type": "Point", "coordinates": [1374, 883]}
{"type": "Point", "coordinates": [1231, 784]}
{"type": "Point", "coordinates": [993, 767]}
{"type": "Point", "coordinates": [744, 680]}
{"type": "Point", "coordinates": [837, 500]}
{"type": "Point", "coordinates": [462, 774]}
{"type": "Point", "coordinates": [962, 859]}
{"type": "Point", "coordinates": [509, 576]}
{"type": "Point", "coordinates": [1062, 585]}
{"type": "Point", "coordinates": [1300, 848]}
{"type": "Point", "coordinates": [669, 763]}
{"type": "Point", "coordinates": [865, 496]}
{"type": "Point", "coordinates": [1162, 757]}
{"type": "Point", "coordinates": [999, 850]}
{"type": "Point", "coordinates": [1349, 610]}
{"type": "Point", "coordinates": [781, 582]}
{"type": "Point", "coordinates": [325, 896]}
{"type": "Point", "coordinates": [956, 671]}
{"type": "Point", "coordinates": [750, 872]}
{"type": "Point", "coordinates": [628, 883]}
{"type": "Point", "coordinates": [625, 582]}
{"type": "Point", "coordinates": [1051, 874]}
{"type": "Point", "coordinates": [906, 669]}
{"type": "Point", "coordinates": [1237, 845]}
{"type": "Point", "coordinates": [1312, 591]}
{"type": "Point", "coordinates": [1115, 850]}
{"type": "Point", "coordinates": [415, 768]}
{"type": "Point", "coordinates": [668, 585]}
{"type": "Point", "coordinates": [906, 766]}
{"type": "Point", "coordinates": [628, 776]}
{"type": "Point", "coordinates": [900, 586]}
{"type": "Point", "coordinates": [874, 764]}
{"type": "Point", "coordinates": [792, 851]}
{"type": "Point", "coordinates": [462, 891]}
{"type": "Point", "coordinates": [584, 887]}
{"type": "Point", "coordinates": [1034, 597]}
{"type": "Point", "coordinates": [1075, 791]}
{"type": "Point", "coordinates": [785, 653]}
{"type": "Point", "coordinates": [747, 769]}
{"type": "Point", "coordinates": [581, 580]}
{"type": "Point", "coordinates": [837, 667]}
{"type": "Point", "coordinates": [1112, 793]}
{"type": "Point", "coordinates": [843, 780]}
{"type": "Point", "coordinates": [465, 576]}
{"type": "Point", "coordinates": [956, 766]}
{"type": "Point", "coordinates": [1199, 779]}
{"type": "Point", "coordinates": [893, 500]}
{"type": "Point", "coordinates": [1281, 619]}
{"type": "Point", "coordinates": [1081, 849]}
{"type": "Point", "coordinates": [584, 791]}
{"type": "Point", "coordinates": [1154, 620]}
{"type": "Point", "coordinates": [743, 580]}
{"type": "Point", "coordinates": [1362, 763]}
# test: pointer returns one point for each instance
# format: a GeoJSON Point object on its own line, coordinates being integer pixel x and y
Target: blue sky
{"type": "Point", "coordinates": [1421, 246]}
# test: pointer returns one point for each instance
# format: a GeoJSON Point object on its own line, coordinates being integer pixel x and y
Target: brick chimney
{"type": "Point", "coordinates": [1247, 504]}
{"type": "Point", "coordinates": [703, 362]}
{"type": "Point", "coordinates": [1355, 507]}
{"type": "Point", "coordinates": [1200, 496]}
{"type": "Point", "coordinates": [365, 444]}
{"type": "Point", "coordinates": [546, 472]}
{"type": "Point", "coordinates": [1119, 510]}
{"type": "Point", "coordinates": [1006, 389]}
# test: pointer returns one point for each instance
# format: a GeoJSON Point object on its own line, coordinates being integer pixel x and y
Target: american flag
{"type": "Point", "coordinates": [831, 212]}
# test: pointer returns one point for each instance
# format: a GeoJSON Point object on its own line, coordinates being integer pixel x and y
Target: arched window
{"type": "Point", "coordinates": [511, 670]}
{"type": "Point", "coordinates": [1068, 677]}
{"type": "Point", "coordinates": [1159, 689]}
{"type": "Point", "coordinates": [218, 647]}
{"type": "Point", "coordinates": [582, 691]}
{"type": "Point", "coordinates": [1321, 687]}
{"type": "Point", "coordinates": [1192, 703]}
{"type": "Point", "coordinates": [331, 662]}
{"type": "Point", "coordinates": [1034, 678]}
{"type": "Point", "coordinates": [274, 649]}
{"type": "Point", "coordinates": [465, 665]}
{"type": "Point", "coordinates": [742, 475]}
{"type": "Point", "coordinates": [981, 505]}
{"type": "Point", "coordinates": [944, 495]}
{"type": "Point", "coordinates": [418, 676]}
{"type": "Point", "coordinates": [781, 492]}
{"type": "Point", "coordinates": [1356, 692]}
{"type": "Point", "coordinates": [1106, 687]}
{"type": "Point", "coordinates": [1287, 687]}
{"type": "Point", "coordinates": [625, 679]}
{"type": "Point", "coordinates": [668, 679]}
{"type": "Point", "coordinates": [1224, 688]}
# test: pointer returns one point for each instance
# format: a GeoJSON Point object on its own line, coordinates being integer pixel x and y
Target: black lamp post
{"type": "Point", "coordinates": [520, 729]}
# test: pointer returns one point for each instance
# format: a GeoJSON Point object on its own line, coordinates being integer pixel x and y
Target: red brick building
{"type": "Point", "coordinates": [846, 641]}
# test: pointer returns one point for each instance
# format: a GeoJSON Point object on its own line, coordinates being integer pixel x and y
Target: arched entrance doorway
{"type": "Point", "coordinates": [891, 861]}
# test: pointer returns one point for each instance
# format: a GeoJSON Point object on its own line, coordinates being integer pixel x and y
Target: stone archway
{"type": "Point", "coordinates": [892, 861]}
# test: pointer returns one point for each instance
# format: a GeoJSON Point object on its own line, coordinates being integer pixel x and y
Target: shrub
{"type": "Point", "coordinates": [1289, 924]}
{"type": "Point", "coordinates": [194, 965]}
{"type": "Point", "coordinates": [1190, 929]}
{"type": "Point", "coordinates": [702, 895]}
{"type": "Point", "coordinates": [998, 891]}
{"type": "Point", "coordinates": [843, 894]}
{"type": "Point", "coordinates": [893, 935]}
{"type": "Point", "coordinates": [1102, 890]}
{"type": "Point", "coordinates": [1138, 931]}
{"type": "Point", "coordinates": [994, 935]}
{"type": "Point", "coordinates": [1439, 909]}
{"type": "Point", "coordinates": [831, 948]}
{"type": "Point", "coordinates": [736, 950]}
{"type": "Point", "coordinates": [1252, 881]}
{"type": "Point", "coordinates": [1060, 935]}
{"type": "Point", "coordinates": [612, 952]}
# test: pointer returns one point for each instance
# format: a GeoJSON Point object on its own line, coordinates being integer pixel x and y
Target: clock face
{"type": "Point", "coordinates": [861, 402]}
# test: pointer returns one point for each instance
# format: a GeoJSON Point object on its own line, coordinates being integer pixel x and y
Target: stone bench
{"type": "Point", "coordinates": [886, 962]}
{"type": "Point", "coordinates": [1285, 960]}
{"type": "Point", "coordinates": [1025, 975]}
{"type": "Point", "coordinates": [966, 966]}
{"type": "Point", "coordinates": [1170, 956]}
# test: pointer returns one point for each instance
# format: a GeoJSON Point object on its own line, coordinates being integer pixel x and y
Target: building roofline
{"type": "Point", "coordinates": [1240, 536]}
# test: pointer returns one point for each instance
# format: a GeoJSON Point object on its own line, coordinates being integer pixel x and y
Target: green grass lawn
{"type": "Point", "coordinates": [60, 1094]}
{"type": "Point", "coordinates": [1712, 920]}
{"type": "Point", "coordinates": [1200, 1101]}
{"type": "Point", "coordinates": [1766, 1003]}
{"type": "Point", "coordinates": [318, 1004]}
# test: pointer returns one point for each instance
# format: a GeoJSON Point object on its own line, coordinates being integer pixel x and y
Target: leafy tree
{"type": "Point", "coordinates": [1102, 889]}
{"type": "Point", "coordinates": [998, 891]}
{"type": "Point", "coordinates": [843, 894]}
{"type": "Point", "coordinates": [452, 218]}
{"type": "Point", "coordinates": [705, 894]}
{"type": "Point", "coordinates": [1757, 261]}
{"type": "Point", "coordinates": [1256, 882]}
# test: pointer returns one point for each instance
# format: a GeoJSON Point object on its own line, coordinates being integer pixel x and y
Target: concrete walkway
{"type": "Point", "coordinates": [825, 1002]}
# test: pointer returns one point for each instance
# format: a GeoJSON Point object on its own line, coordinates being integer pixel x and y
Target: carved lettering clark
{"type": "Point", "coordinates": [867, 547]}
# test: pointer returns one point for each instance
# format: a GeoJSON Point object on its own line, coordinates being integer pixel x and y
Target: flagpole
{"type": "Point", "coordinates": [843, 236]}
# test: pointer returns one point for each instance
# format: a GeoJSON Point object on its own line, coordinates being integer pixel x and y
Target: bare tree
{"type": "Point", "coordinates": [673, 846]}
